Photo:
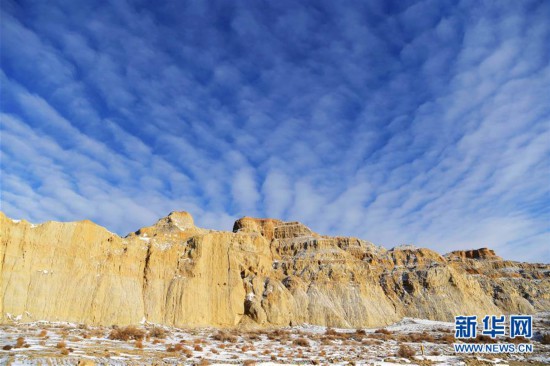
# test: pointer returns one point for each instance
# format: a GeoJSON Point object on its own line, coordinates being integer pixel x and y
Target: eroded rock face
{"type": "Point", "coordinates": [266, 272]}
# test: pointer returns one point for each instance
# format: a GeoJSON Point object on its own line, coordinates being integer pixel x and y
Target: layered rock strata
{"type": "Point", "coordinates": [266, 272]}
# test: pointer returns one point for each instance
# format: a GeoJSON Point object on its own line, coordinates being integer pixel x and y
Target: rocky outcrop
{"type": "Point", "coordinates": [266, 272]}
{"type": "Point", "coordinates": [482, 253]}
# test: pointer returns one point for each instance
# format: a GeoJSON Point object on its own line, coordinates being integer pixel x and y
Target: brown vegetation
{"type": "Point", "coordinates": [158, 332]}
{"type": "Point", "coordinates": [405, 351]}
{"type": "Point", "coordinates": [302, 342]}
{"type": "Point", "coordinates": [224, 337]}
{"type": "Point", "coordinates": [19, 343]}
{"type": "Point", "coordinates": [127, 333]}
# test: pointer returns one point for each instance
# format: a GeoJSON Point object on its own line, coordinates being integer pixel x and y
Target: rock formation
{"type": "Point", "coordinates": [266, 272]}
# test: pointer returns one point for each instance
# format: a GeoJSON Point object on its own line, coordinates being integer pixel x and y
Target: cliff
{"type": "Point", "coordinates": [266, 272]}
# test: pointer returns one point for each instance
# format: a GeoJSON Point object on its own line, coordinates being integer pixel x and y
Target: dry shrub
{"type": "Point", "coordinates": [19, 343]}
{"type": "Point", "coordinates": [42, 342]}
{"type": "Point", "coordinates": [98, 332]}
{"type": "Point", "coordinates": [214, 351]}
{"type": "Point", "coordinates": [382, 331]}
{"type": "Point", "coordinates": [197, 347]}
{"type": "Point", "coordinates": [64, 351]}
{"type": "Point", "coordinates": [481, 339]}
{"type": "Point", "coordinates": [418, 337]}
{"type": "Point", "coordinates": [545, 339]}
{"type": "Point", "coordinates": [517, 340]}
{"type": "Point", "coordinates": [224, 337]}
{"type": "Point", "coordinates": [139, 344]}
{"type": "Point", "coordinates": [273, 358]}
{"type": "Point", "coordinates": [249, 363]}
{"type": "Point", "coordinates": [158, 332]}
{"type": "Point", "coordinates": [435, 353]}
{"type": "Point", "coordinates": [61, 345]}
{"type": "Point", "coordinates": [405, 351]}
{"type": "Point", "coordinates": [187, 352]}
{"type": "Point", "coordinates": [127, 333]}
{"type": "Point", "coordinates": [7, 347]}
{"type": "Point", "coordinates": [360, 332]}
{"type": "Point", "coordinates": [302, 342]}
{"type": "Point", "coordinates": [204, 362]}
{"type": "Point", "coordinates": [43, 333]}
{"type": "Point", "coordinates": [331, 331]}
{"type": "Point", "coordinates": [447, 338]}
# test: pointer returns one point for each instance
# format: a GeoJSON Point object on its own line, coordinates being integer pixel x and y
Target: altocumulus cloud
{"type": "Point", "coordinates": [421, 122]}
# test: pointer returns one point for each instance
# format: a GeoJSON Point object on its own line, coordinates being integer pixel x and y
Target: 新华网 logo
{"type": "Point", "coordinates": [466, 327]}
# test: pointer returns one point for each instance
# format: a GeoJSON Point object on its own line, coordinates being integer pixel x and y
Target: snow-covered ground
{"type": "Point", "coordinates": [430, 342]}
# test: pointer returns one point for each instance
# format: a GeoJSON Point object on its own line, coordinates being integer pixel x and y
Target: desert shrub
{"type": "Point", "coordinates": [447, 338]}
{"type": "Point", "coordinates": [98, 332]}
{"type": "Point", "coordinates": [273, 358]}
{"type": "Point", "coordinates": [158, 332]}
{"type": "Point", "coordinates": [20, 342]}
{"type": "Point", "coordinates": [249, 363]}
{"type": "Point", "coordinates": [361, 332]}
{"type": "Point", "coordinates": [481, 339]}
{"type": "Point", "coordinates": [61, 345]}
{"type": "Point", "coordinates": [545, 339]}
{"type": "Point", "coordinates": [435, 353]}
{"type": "Point", "coordinates": [225, 337]}
{"type": "Point", "coordinates": [64, 351]}
{"type": "Point", "coordinates": [204, 362]}
{"type": "Point", "coordinates": [278, 335]}
{"type": "Point", "coordinates": [139, 344]}
{"type": "Point", "coordinates": [331, 331]}
{"type": "Point", "coordinates": [419, 337]}
{"type": "Point", "coordinates": [7, 347]}
{"type": "Point", "coordinates": [382, 331]}
{"type": "Point", "coordinates": [197, 347]}
{"type": "Point", "coordinates": [127, 333]}
{"type": "Point", "coordinates": [517, 340]}
{"type": "Point", "coordinates": [43, 333]}
{"type": "Point", "coordinates": [187, 352]}
{"type": "Point", "coordinates": [405, 351]}
{"type": "Point", "coordinates": [302, 342]}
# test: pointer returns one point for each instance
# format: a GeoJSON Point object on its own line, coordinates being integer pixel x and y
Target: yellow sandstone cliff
{"type": "Point", "coordinates": [266, 272]}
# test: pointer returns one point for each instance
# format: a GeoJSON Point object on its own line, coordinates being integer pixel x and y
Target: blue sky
{"type": "Point", "coordinates": [398, 122]}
